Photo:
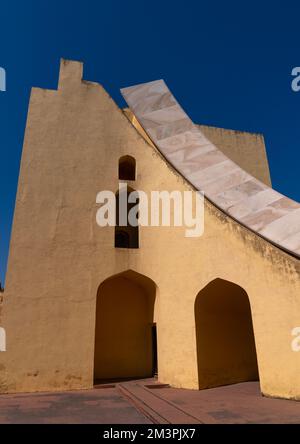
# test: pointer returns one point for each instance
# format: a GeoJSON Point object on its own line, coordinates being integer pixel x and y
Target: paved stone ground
{"type": "Point", "coordinates": [145, 402]}
{"type": "Point", "coordinates": [234, 404]}
{"type": "Point", "coordinates": [106, 406]}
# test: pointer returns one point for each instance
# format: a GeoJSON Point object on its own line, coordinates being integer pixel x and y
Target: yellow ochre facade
{"type": "Point", "coordinates": [220, 308]}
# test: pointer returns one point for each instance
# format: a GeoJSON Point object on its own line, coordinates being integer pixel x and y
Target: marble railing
{"type": "Point", "coordinates": [237, 193]}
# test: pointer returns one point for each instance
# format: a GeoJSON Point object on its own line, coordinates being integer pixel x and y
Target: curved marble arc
{"type": "Point", "coordinates": [246, 199]}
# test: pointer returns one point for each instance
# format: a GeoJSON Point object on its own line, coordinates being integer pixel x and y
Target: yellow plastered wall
{"type": "Point", "coordinates": [59, 256]}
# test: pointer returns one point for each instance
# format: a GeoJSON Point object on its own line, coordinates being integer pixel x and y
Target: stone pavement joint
{"type": "Point", "coordinates": [133, 402]}
{"type": "Point", "coordinates": [156, 408]}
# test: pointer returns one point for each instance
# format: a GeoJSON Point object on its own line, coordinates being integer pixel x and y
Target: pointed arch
{"type": "Point", "coordinates": [226, 352]}
{"type": "Point", "coordinates": [126, 236]}
{"type": "Point", "coordinates": [2, 340]}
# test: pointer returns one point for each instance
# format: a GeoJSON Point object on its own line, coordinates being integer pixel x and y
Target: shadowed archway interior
{"type": "Point", "coordinates": [124, 345]}
{"type": "Point", "coordinates": [226, 351]}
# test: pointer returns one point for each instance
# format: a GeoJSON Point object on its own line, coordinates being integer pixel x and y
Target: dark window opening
{"type": "Point", "coordinates": [126, 236]}
{"type": "Point", "coordinates": [127, 168]}
{"type": "Point", "coordinates": [122, 239]}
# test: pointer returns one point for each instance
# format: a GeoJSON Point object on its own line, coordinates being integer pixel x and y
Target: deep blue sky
{"type": "Point", "coordinates": [228, 63]}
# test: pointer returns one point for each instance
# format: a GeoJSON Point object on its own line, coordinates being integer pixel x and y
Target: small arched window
{"type": "Point", "coordinates": [127, 168]}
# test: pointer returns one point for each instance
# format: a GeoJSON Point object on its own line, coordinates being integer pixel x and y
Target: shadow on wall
{"type": "Point", "coordinates": [226, 351]}
{"type": "Point", "coordinates": [124, 345]}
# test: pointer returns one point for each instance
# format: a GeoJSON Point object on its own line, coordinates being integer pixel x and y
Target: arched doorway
{"type": "Point", "coordinates": [226, 351]}
{"type": "Point", "coordinates": [125, 345]}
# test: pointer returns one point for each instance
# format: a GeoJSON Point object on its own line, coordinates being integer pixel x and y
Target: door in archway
{"type": "Point", "coordinates": [124, 328]}
{"type": "Point", "coordinates": [226, 352]}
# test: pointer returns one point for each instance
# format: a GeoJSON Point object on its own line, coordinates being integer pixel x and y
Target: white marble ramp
{"type": "Point", "coordinates": [246, 199]}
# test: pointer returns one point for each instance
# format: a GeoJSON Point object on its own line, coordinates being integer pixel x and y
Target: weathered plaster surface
{"type": "Point", "coordinates": [59, 256]}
